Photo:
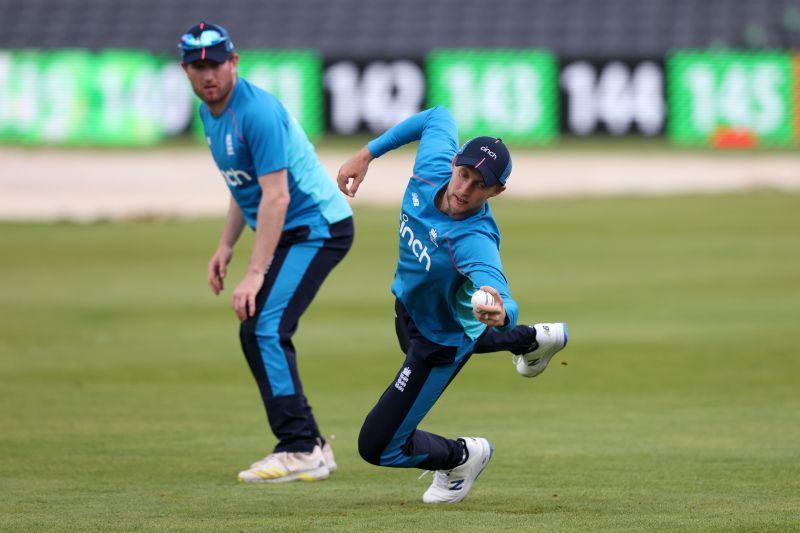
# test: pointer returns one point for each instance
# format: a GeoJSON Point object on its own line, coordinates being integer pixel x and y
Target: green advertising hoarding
{"type": "Point", "coordinates": [44, 96]}
{"type": "Point", "coordinates": [125, 97]}
{"type": "Point", "coordinates": [294, 77]}
{"type": "Point", "coordinates": [512, 94]}
{"type": "Point", "coordinates": [719, 97]}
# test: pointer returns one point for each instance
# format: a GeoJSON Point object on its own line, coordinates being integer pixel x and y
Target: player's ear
{"type": "Point", "coordinates": [498, 189]}
{"type": "Point", "coordinates": [234, 59]}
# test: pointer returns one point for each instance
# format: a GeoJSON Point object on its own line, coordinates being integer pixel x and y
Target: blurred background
{"type": "Point", "coordinates": [678, 79]}
{"type": "Point", "coordinates": [715, 73]}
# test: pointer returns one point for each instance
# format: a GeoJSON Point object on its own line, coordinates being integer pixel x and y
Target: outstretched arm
{"type": "Point", "coordinates": [434, 128]}
{"type": "Point", "coordinates": [436, 132]}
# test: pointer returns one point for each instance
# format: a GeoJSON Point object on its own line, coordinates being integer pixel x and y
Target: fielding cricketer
{"type": "Point", "coordinates": [303, 228]}
{"type": "Point", "coordinates": [448, 249]}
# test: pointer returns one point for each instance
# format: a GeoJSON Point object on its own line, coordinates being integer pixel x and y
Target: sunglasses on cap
{"type": "Point", "coordinates": [206, 39]}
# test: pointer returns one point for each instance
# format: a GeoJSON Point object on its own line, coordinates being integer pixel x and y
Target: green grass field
{"type": "Point", "coordinates": [125, 403]}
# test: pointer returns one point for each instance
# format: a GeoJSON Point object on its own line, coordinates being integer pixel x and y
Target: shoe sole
{"type": "Point", "coordinates": [317, 474]}
{"type": "Point", "coordinates": [562, 338]}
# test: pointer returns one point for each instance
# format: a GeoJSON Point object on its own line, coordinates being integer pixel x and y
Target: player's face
{"type": "Point", "coordinates": [466, 192]}
{"type": "Point", "coordinates": [213, 82]}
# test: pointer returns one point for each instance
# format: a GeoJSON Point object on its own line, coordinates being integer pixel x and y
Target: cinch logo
{"type": "Point", "coordinates": [402, 379]}
{"type": "Point", "coordinates": [234, 177]}
{"type": "Point", "coordinates": [421, 252]}
{"type": "Point", "coordinates": [488, 152]}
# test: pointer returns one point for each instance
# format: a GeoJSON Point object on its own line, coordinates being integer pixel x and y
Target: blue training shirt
{"type": "Point", "coordinates": [255, 135]}
{"type": "Point", "coordinates": [442, 261]}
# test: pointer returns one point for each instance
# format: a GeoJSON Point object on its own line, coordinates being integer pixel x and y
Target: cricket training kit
{"type": "Point", "coordinates": [252, 137]}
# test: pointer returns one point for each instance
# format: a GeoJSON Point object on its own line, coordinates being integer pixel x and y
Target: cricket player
{"type": "Point", "coordinates": [303, 228]}
{"type": "Point", "coordinates": [448, 249]}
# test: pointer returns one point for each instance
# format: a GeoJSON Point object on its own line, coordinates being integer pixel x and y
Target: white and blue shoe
{"type": "Point", "coordinates": [451, 486]}
{"type": "Point", "coordinates": [550, 339]}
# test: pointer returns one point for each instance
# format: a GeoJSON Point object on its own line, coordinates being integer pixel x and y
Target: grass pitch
{"type": "Point", "coordinates": [126, 403]}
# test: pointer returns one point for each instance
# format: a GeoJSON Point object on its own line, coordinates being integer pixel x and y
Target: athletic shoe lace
{"type": "Point", "coordinates": [273, 458]}
{"type": "Point", "coordinates": [440, 479]}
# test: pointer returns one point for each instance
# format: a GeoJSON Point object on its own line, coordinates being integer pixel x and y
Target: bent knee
{"type": "Point", "coordinates": [369, 449]}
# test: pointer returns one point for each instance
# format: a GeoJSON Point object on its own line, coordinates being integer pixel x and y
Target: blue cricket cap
{"type": "Point", "coordinates": [489, 156]}
{"type": "Point", "coordinates": [206, 41]}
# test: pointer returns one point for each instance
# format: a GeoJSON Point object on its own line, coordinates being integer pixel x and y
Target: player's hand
{"type": "Point", "coordinates": [491, 315]}
{"type": "Point", "coordinates": [218, 268]}
{"type": "Point", "coordinates": [244, 295]}
{"type": "Point", "coordinates": [352, 173]}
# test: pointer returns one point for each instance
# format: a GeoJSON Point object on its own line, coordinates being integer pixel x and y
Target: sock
{"type": "Point", "coordinates": [464, 452]}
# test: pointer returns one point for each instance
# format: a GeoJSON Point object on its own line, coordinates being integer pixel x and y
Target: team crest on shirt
{"type": "Point", "coordinates": [433, 236]}
{"type": "Point", "coordinates": [229, 144]}
{"type": "Point", "coordinates": [415, 199]}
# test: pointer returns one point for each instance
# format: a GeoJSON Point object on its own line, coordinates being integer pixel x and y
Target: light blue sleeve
{"type": "Point", "coordinates": [480, 262]}
{"type": "Point", "coordinates": [438, 136]}
{"type": "Point", "coordinates": [265, 132]}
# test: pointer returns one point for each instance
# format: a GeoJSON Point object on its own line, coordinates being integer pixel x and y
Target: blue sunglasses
{"type": "Point", "coordinates": [204, 40]}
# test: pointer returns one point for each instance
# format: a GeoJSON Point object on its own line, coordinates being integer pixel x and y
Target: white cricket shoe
{"type": "Point", "coordinates": [287, 466]}
{"type": "Point", "coordinates": [451, 486]}
{"type": "Point", "coordinates": [550, 339]}
{"type": "Point", "coordinates": [327, 453]}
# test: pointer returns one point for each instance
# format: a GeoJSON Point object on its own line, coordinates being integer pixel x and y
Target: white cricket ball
{"type": "Point", "coordinates": [481, 298]}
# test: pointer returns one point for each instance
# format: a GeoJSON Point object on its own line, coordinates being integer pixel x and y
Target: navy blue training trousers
{"type": "Point", "coordinates": [389, 436]}
{"type": "Point", "coordinates": [298, 268]}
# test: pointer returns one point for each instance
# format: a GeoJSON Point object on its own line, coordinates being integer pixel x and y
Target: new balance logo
{"type": "Point", "coordinates": [402, 379]}
{"type": "Point", "coordinates": [456, 484]}
{"type": "Point", "coordinates": [229, 144]}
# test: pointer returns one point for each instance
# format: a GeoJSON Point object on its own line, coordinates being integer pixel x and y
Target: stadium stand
{"type": "Point", "coordinates": [410, 28]}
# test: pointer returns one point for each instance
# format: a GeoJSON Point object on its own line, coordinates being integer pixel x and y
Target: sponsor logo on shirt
{"type": "Point", "coordinates": [419, 251]}
{"type": "Point", "coordinates": [236, 178]}
{"type": "Point", "coordinates": [229, 144]}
